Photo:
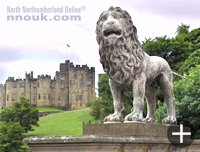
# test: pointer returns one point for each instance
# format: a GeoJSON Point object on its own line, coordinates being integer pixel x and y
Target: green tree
{"type": "Point", "coordinates": [96, 108]}
{"type": "Point", "coordinates": [194, 38]}
{"type": "Point", "coordinates": [11, 136]}
{"type": "Point", "coordinates": [105, 95]}
{"type": "Point", "coordinates": [22, 112]}
{"type": "Point", "coordinates": [174, 50]}
{"type": "Point", "coordinates": [192, 61]}
{"type": "Point", "coordinates": [182, 29]}
{"type": "Point", "coordinates": [161, 112]}
{"type": "Point", "coordinates": [187, 93]}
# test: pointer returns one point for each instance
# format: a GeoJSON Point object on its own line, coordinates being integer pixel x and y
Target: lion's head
{"type": "Point", "coordinates": [120, 51]}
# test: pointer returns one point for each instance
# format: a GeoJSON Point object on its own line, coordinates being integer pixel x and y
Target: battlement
{"type": "Point", "coordinates": [64, 67]}
{"type": "Point", "coordinates": [44, 76]}
{"type": "Point", "coordinates": [10, 79]}
{"type": "Point", "coordinates": [29, 75]}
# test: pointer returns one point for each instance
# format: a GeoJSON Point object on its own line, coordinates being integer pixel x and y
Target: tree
{"type": "Point", "coordinates": [105, 95]}
{"type": "Point", "coordinates": [175, 51]}
{"type": "Point", "coordinates": [182, 29]}
{"type": "Point", "coordinates": [187, 92]}
{"type": "Point", "coordinates": [96, 108]}
{"type": "Point", "coordinates": [192, 61]}
{"type": "Point", "coordinates": [22, 112]}
{"type": "Point", "coordinates": [11, 136]}
{"type": "Point", "coordinates": [194, 38]}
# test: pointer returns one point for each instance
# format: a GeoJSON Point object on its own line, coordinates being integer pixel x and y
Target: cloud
{"type": "Point", "coordinates": [13, 54]}
{"type": "Point", "coordinates": [171, 8]}
{"type": "Point", "coordinates": [9, 54]}
{"type": "Point", "coordinates": [3, 72]}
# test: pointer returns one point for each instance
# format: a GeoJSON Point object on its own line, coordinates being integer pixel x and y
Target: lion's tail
{"type": "Point", "coordinates": [178, 75]}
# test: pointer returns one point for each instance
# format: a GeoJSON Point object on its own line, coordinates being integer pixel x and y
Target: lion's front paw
{"type": "Point", "coordinates": [134, 117]}
{"type": "Point", "coordinates": [114, 118]}
{"type": "Point", "coordinates": [169, 120]}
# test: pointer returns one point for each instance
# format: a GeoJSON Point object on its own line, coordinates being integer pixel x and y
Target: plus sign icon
{"type": "Point", "coordinates": [179, 135]}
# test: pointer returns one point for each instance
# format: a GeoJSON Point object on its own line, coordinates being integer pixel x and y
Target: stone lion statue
{"type": "Point", "coordinates": [129, 67]}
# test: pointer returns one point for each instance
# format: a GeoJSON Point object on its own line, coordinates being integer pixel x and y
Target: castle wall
{"type": "Point", "coordinates": [2, 96]}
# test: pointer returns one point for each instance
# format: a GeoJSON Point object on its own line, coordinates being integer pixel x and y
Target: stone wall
{"type": "Point", "coordinates": [106, 144]}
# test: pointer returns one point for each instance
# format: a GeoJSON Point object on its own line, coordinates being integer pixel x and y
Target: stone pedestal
{"type": "Point", "coordinates": [113, 138]}
{"type": "Point", "coordinates": [130, 129]}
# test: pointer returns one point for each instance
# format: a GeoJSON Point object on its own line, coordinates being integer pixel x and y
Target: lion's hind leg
{"type": "Point", "coordinates": [151, 102]}
{"type": "Point", "coordinates": [166, 85]}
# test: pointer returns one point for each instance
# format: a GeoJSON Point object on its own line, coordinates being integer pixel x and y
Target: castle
{"type": "Point", "coordinates": [72, 87]}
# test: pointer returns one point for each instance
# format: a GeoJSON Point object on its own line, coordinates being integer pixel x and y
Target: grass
{"type": "Point", "coordinates": [47, 109]}
{"type": "Point", "coordinates": [63, 123]}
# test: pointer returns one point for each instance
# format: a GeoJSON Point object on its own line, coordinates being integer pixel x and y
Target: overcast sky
{"type": "Point", "coordinates": [40, 46]}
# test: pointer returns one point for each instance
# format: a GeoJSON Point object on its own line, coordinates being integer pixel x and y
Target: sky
{"type": "Point", "coordinates": [40, 45]}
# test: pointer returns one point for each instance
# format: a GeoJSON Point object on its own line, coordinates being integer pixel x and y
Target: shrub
{"type": "Point", "coordinates": [96, 108]}
{"type": "Point", "coordinates": [11, 136]}
{"type": "Point", "coordinates": [22, 112]}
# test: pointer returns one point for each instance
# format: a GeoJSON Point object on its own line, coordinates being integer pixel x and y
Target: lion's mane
{"type": "Point", "coordinates": [124, 60]}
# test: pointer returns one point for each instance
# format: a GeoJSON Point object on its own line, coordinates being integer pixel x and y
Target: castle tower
{"type": "Point", "coordinates": [11, 91]}
{"type": "Point", "coordinates": [81, 86]}
{"type": "Point", "coordinates": [44, 90]}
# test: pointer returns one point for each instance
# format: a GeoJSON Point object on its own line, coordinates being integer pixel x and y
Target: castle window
{"type": "Point", "coordinates": [39, 97]}
{"type": "Point", "coordinates": [7, 97]}
{"type": "Point", "coordinates": [38, 85]}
